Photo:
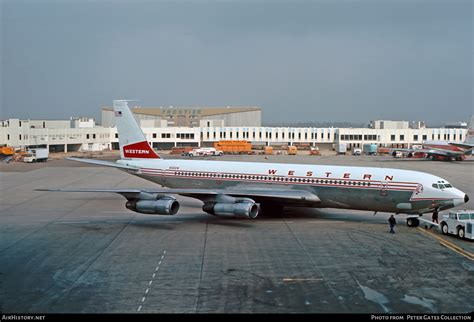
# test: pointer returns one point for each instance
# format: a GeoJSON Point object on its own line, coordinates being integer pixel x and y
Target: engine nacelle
{"type": "Point", "coordinates": [163, 206]}
{"type": "Point", "coordinates": [242, 209]}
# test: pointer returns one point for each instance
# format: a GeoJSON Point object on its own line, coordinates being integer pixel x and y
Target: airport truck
{"type": "Point", "coordinates": [460, 223]}
{"type": "Point", "coordinates": [370, 149]}
{"type": "Point", "coordinates": [457, 222]}
{"type": "Point", "coordinates": [204, 152]}
{"type": "Point", "coordinates": [341, 148]}
{"type": "Point", "coordinates": [36, 155]}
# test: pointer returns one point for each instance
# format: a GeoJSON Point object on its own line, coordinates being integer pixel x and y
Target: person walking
{"type": "Point", "coordinates": [392, 223]}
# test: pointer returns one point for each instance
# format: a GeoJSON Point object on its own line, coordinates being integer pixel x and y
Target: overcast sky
{"type": "Point", "coordinates": [325, 60]}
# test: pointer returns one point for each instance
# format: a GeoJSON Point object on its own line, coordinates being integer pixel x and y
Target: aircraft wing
{"type": "Point", "coordinates": [278, 196]}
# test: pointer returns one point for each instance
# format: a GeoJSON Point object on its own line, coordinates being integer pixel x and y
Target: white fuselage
{"type": "Point", "coordinates": [377, 189]}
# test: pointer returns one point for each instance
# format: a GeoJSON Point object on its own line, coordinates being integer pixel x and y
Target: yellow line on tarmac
{"type": "Point", "coordinates": [449, 245]}
{"type": "Point", "coordinates": [441, 239]}
{"type": "Point", "coordinates": [460, 253]}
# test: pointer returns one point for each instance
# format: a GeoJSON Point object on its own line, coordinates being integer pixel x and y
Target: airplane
{"type": "Point", "coordinates": [246, 189]}
{"type": "Point", "coordinates": [445, 151]}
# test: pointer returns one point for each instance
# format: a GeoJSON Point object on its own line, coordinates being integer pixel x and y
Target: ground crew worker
{"type": "Point", "coordinates": [435, 216]}
{"type": "Point", "coordinates": [392, 223]}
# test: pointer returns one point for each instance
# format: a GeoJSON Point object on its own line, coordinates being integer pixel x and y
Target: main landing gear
{"type": "Point", "coordinates": [412, 222]}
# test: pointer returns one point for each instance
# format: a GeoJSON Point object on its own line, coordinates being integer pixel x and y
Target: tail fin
{"type": "Point", "coordinates": [470, 132]}
{"type": "Point", "coordinates": [132, 141]}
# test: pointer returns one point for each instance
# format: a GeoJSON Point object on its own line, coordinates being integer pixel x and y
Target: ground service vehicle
{"type": "Point", "coordinates": [268, 150]}
{"type": "Point", "coordinates": [233, 146]}
{"type": "Point", "coordinates": [356, 151]}
{"type": "Point", "coordinates": [398, 154]}
{"type": "Point", "coordinates": [370, 149]}
{"type": "Point", "coordinates": [204, 152]}
{"type": "Point", "coordinates": [459, 222]}
{"type": "Point", "coordinates": [36, 155]}
{"type": "Point", "coordinates": [341, 148]}
{"type": "Point", "coordinates": [292, 150]}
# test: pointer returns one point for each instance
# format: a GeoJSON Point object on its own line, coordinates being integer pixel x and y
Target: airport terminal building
{"type": "Point", "coordinates": [167, 127]}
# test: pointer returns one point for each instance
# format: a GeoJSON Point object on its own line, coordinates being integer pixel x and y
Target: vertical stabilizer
{"type": "Point", "coordinates": [470, 132]}
{"type": "Point", "coordinates": [132, 141]}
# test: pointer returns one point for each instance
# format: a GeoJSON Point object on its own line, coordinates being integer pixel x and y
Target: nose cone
{"type": "Point", "coordinates": [460, 200]}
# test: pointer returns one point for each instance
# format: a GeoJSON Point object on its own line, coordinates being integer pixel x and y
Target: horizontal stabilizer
{"type": "Point", "coordinates": [103, 163]}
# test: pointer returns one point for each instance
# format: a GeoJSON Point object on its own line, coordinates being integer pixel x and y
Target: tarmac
{"type": "Point", "coordinates": [86, 253]}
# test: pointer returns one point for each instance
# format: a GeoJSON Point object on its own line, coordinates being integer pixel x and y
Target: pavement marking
{"type": "Point", "coordinates": [116, 221]}
{"type": "Point", "coordinates": [446, 241]}
{"type": "Point", "coordinates": [449, 245]}
{"type": "Point", "coordinates": [289, 279]}
{"type": "Point", "coordinates": [325, 222]}
{"type": "Point", "coordinates": [454, 250]}
{"type": "Point", "coordinates": [151, 282]}
{"type": "Point", "coordinates": [72, 222]}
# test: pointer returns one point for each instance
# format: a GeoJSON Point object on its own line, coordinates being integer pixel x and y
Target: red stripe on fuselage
{"type": "Point", "coordinates": [285, 180]}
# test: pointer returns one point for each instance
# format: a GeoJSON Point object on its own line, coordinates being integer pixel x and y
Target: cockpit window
{"type": "Point", "coordinates": [441, 185]}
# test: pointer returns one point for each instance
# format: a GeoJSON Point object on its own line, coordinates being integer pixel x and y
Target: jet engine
{"type": "Point", "coordinates": [161, 206]}
{"type": "Point", "coordinates": [241, 208]}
